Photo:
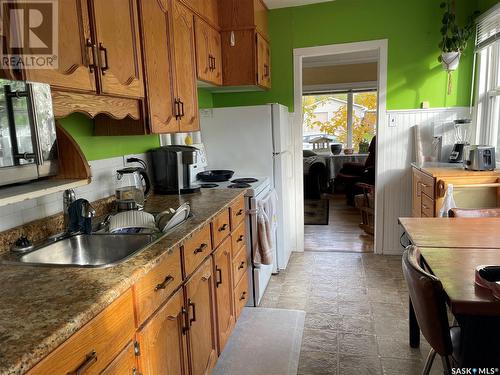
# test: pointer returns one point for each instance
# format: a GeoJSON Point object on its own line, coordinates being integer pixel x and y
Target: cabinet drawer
{"type": "Point", "coordinates": [220, 228]}
{"type": "Point", "coordinates": [427, 206]}
{"type": "Point", "coordinates": [196, 249]}
{"type": "Point", "coordinates": [237, 211]}
{"type": "Point", "coordinates": [426, 183]}
{"type": "Point", "coordinates": [158, 284]}
{"type": "Point", "coordinates": [240, 265]}
{"type": "Point", "coordinates": [241, 295]}
{"type": "Point", "coordinates": [124, 363]}
{"type": "Point", "coordinates": [95, 345]}
{"type": "Point", "coordinates": [239, 238]}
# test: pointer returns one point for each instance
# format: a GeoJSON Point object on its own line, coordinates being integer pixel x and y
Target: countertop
{"type": "Point", "coordinates": [41, 307]}
{"type": "Point", "coordinates": [437, 169]}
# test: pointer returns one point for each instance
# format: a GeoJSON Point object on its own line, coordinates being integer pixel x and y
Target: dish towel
{"type": "Point", "coordinates": [266, 225]}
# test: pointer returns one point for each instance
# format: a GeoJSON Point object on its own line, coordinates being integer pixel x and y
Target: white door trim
{"type": "Point", "coordinates": [298, 54]}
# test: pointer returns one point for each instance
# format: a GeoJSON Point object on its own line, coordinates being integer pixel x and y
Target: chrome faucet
{"type": "Point", "coordinates": [69, 197]}
{"type": "Point", "coordinates": [88, 211]}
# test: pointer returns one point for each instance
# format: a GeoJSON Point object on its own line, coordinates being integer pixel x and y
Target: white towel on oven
{"type": "Point", "coordinates": [266, 225]}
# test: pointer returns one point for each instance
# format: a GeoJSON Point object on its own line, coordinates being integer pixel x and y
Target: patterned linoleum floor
{"type": "Point", "coordinates": [356, 314]}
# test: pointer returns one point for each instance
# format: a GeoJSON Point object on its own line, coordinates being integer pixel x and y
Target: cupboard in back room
{"type": "Point", "coordinates": [134, 65]}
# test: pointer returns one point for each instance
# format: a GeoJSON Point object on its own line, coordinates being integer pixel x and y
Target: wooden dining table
{"type": "Point", "coordinates": [452, 248]}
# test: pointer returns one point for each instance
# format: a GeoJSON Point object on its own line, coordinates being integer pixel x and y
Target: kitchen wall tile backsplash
{"type": "Point", "coordinates": [102, 186]}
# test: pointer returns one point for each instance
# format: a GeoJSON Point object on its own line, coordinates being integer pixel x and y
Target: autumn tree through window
{"type": "Point", "coordinates": [349, 118]}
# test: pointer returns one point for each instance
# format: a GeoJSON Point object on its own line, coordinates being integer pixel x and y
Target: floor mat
{"type": "Point", "coordinates": [265, 341]}
{"type": "Point", "coordinates": [316, 211]}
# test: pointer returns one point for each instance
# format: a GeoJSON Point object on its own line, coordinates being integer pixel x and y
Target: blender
{"type": "Point", "coordinates": [462, 129]}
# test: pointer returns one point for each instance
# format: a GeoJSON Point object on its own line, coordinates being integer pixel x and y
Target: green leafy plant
{"type": "Point", "coordinates": [454, 37]}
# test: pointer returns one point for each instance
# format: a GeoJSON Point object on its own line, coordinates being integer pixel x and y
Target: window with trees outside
{"type": "Point", "coordinates": [349, 118]}
{"type": "Point", "coordinates": [487, 91]}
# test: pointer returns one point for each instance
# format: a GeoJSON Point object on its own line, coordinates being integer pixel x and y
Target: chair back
{"type": "Point", "coordinates": [474, 212]}
{"type": "Point", "coordinates": [370, 160]}
{"type": "Point", "coordinates": [427, 297]}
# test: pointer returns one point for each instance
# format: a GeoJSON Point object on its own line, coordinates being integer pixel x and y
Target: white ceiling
{"type": "Point", "coordinates": [341, 59]}
{"type": "Point", "coordinates": [273, 4]}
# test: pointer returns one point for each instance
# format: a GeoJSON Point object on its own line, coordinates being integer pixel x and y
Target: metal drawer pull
{"type": "Point", "coordinates": [219, 274]}
{"type": "Point", "coordinates": [89, 361]}
{"type": "Point", "coordinates": [223, 228]}
{"type": "Point", "coordinates": [193, 305]}
{"type": "Point", "coordinates": [177, 108]}
{"type": "Point", "coordinates": [186, 321]}
{"type": "Point", "coordinates": [240, 212]}
{"type": "Point", "coordinates": [243, 296]}
{"type": "Point", "coordinates": [92, 47]}
{"type": "Point", "coordinates": [165, 282]}
{"type": "Point", "coordinates": [106, 64]}
{"type": "Point", "coordinates": [200, 249]}
{"type": "Point", "coordinates": [242, 265]}
{"type": "Point", "coordinates": [240, 238]}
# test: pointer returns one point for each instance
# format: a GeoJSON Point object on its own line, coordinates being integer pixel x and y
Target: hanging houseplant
{"type": "Point", "coordinates": [454, 39]}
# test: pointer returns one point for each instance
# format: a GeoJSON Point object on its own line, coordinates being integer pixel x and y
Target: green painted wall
{"type": "Point", "coordinates": [205, 98]}
{"type": "Point", "coordinates": [411, 26]}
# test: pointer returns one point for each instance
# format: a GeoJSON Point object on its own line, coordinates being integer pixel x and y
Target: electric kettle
{"type": "Point", "coordinates": [132, 187]}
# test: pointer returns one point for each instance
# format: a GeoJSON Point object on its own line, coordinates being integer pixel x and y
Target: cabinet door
{"type": "Point", "coordinates": [185, 67]}
{"type": "Point", "coordinates": [263, 62]}
{"type": "Point", "coordinates": [157, 51]}
{"type": "Point", "coordinates": [124, 363]}
{"type": "Point", "coordinates": [75, 52]}
{"type": "Point", "coordinates": [119, 52]}
{"type": "Point", "coordinates": [163, 342]}
{"type": "Point", "coordinates": [216, 52]}
{"type": "Point", "coordinates": [224, 292]}
{"type": "Point", "coordinates": [204, 56]}
{"type": "Point", "coordinates": [201, 313]}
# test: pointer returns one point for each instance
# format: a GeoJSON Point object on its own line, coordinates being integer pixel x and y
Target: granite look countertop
{"type": "Point", "coordinates": [41, 307]}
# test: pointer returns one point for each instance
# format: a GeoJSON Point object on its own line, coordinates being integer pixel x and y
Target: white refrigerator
{"type": "Point", "coordinates": [256, 141]}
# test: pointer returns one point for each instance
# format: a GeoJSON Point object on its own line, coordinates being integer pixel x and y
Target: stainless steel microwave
{"type": "Point", "coordinates": [28, 146]}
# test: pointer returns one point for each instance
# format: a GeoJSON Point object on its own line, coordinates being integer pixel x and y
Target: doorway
{"type": "Point", "coordinates": [330, 115]}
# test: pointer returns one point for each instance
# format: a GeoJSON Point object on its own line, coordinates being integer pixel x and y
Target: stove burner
{"type": "Point", "coordinates": [239, 185]}
{"type": "Point", "coordinates": [208, 186]}
{"type": "Point", "coordinates": [247, 180]}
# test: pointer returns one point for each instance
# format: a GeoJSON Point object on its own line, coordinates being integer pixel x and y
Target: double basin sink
{"type": "Point", "coordinates": [84, 250]}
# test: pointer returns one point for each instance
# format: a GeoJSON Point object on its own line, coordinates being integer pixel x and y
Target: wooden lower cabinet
{"type": "Point", "coordinates": [162, 341]}
{"type": "Point", "coordinates": [223, 265]}
{"type": "Point", "coordinates": [202, 339]}
{"type": "Point", "coordinates": [124, 363]}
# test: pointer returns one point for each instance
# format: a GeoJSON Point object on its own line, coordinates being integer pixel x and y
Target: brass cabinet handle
{"type": "Point", "coordinates": [200, 249]}
{"type": "Point", "coordinates": [219, 274]}
{"type": "Point", "coordinates": [243, 296]}
{"type": "Point", "coordinates": [106, 63]}
{"type": "Point", "coordinates": [223, 228]}
{"type": "Point", "coordinates": [89, 361]}
{"type": "Point", "coordinates": [242, 265]}
{"type": "Point", "coordinates": [240, 212]}
{"type": "Point", "coordinates": [192, 305]}
{"type": "Point", "coordinates": [240, 238]}
{"type": "Point", "coordinates": [164, 284]}
{"type": "Point", "coordinates": [91, 49]}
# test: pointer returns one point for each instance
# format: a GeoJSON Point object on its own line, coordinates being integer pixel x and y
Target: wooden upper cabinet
{"type": "Point", "coordinates": [263, 62]}
{"type": "Point", "coordinates": [162, 340]}
{"type": "Point", "coordinates": [208, 52]}
{"type": "Point", "coordinates": [202, 319]}
{"type": "Point", "coordinates": [206, 9]}
{"type": "Point", "coordinates": [185, 67]}
{"type": "Point", "coordinates": [243, 14]}
{"type": "Point", "coordinates": [118, 47]}
{"type": "Point", "coordinates": [76, 69]}
{"type": "Point", "coordinates": [157, 52]}
{"type": "Point", "coordinates": [224, 292]}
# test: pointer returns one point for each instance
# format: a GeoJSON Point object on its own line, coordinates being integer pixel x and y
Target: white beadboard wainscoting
{"type": "Point", "coordinates": [396, 152]}
{"type": "Point", "coordinates": [102, 186]}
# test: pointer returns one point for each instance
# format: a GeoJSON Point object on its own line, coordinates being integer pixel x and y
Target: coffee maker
{"type": "Point", "coordinates": [172, 169]}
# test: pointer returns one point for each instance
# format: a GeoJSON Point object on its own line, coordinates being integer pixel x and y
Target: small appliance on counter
{"type": "Point", "coordinates": [132, 186]}
{"type": "Point", "coordinates": [173, 169]}
{"type": "Point", "coordinates": [462, 128]}
{"type": "Point", "coordinates": [480, 158]}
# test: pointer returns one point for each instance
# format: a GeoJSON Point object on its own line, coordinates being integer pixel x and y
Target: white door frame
{"type": "Point", "coordinates": [298, 54]}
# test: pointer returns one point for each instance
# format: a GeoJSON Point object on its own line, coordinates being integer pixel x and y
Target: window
{"type": "Point", "coordinates": [349, 118]}
{"type": "Point", "coordinates": [488, 80]}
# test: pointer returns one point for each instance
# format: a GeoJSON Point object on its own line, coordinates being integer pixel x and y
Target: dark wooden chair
{"type": "Point", "coordinates": [474, 212]}
{"type": "Point", "coordinates": [428, 300]}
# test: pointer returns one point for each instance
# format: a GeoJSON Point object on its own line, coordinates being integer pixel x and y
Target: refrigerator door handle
{"type": "Point", "coordinates": [281, 153]}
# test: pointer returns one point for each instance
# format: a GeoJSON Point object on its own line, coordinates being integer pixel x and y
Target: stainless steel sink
{"type": "Point", "coordinates": [96, 250]}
